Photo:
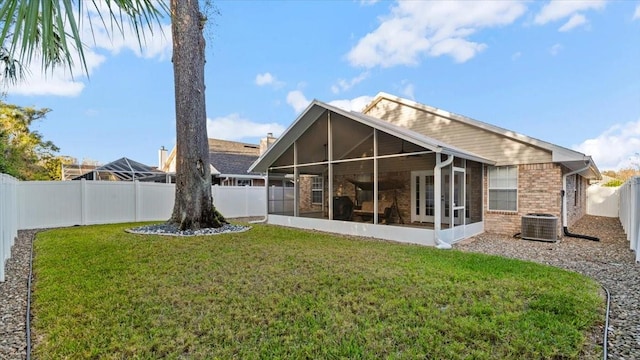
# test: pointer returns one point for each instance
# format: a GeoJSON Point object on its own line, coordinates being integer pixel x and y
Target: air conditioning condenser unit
{"type": "Point", "coordinates": [541, 227]}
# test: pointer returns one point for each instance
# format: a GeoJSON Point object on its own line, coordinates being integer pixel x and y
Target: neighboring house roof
{"type": "Point", "coordinates": [124, 169]}
{"type": "Point", "coordinates": [573, 160]}
{"type": "Point", "coordinates": [226, 158]}
{"type": "Point", "coordinates": [217, 146]}
{"type": "Point", "coordinates": [228, 164]}
{"type": "Point", "coordinates": [318, 108]}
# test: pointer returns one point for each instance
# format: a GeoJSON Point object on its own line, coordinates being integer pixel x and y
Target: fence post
{"type": "Point", "coordinates": [83, 202]}
{"type": "Point", "coordinates": [635, 222]}
{"type": "Point", "coordinates": [136, 197]}
{"type": "Point", "coordinates": [247, 201]}
{"type": "Point", "coordinates": [8, 219]}
{"type": "Point", "coordinates": [3, 226]}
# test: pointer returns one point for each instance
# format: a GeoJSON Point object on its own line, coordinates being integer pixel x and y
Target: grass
{"type": "Point", "coordinates": [275, 292]}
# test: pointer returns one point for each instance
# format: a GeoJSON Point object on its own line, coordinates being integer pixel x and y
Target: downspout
{"type": "Point", "coordinates": [564, 205]}
{"type": "Point", "coordinates": [437, 174]}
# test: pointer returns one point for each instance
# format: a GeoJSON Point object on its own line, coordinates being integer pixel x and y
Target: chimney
{"type": "Point", "coordinates": [266, 142]}
{"type": "Point", "coordinates": [162, 158]}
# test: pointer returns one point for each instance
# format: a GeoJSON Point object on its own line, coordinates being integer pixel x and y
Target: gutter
{"type": "Point", "coordinates": [564, 204]}
{"type": "Point", "coordinates": [437, 174]}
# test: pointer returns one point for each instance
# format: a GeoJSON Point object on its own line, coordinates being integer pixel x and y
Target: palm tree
{"type": "Point", "coordinates": [30, 27]}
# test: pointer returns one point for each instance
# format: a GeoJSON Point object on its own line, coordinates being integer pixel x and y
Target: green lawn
{"type": "Point", "coordinates": [274, 292]}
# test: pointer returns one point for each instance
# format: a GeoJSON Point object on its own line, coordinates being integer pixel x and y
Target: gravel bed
{"type": "Point", "coordinates": [13, 299]}
{"type": "Point", "coordinates": [608, 261]}
{"type": "Point", "coordinates": [172, 230]}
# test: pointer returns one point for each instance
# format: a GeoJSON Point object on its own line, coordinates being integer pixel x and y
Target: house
{"type": "Point", "coordinates": [123, 169]}
{"type": "Point", "coordinates": [405, 171]}
{"type": "Point", "coordinates": [229, 161]}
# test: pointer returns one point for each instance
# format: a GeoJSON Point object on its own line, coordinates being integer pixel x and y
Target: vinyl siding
{"type": "Point", "coordinates": [503, 150]}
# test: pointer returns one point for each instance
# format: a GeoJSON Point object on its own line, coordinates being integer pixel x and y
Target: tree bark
{"type": "Point", "coordinates": [193, 207]}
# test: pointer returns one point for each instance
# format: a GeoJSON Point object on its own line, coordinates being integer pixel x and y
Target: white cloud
{"type": "Point", "coordinates": [415, 29]}
{"type": "Point", "coordinates": [615, 148]}
{"type": "Point", "coordinates": [57, 82]}
{"type": "Point", "coordinates": [575, 21]}
{"type": "Point", "coordinates": [268, 79]}
{"type": "Point", "coordinates": [297, 100]}
{"type": "Point", "coordinates": [234, 127]}
{"type": "Point", "coordinates": [368, 2]}
{"type": "Point", "coordinates": [407, 89]}
{"type": "Point", "coordinates": [264, 79]}
{"type": "Point", "coordinates": [356, 104]}
{"type": "Point", "coordinates": [636, 14]}
{"type": "Point", "coordinates": [560, 9]}
{"type": "Point", "coordinates": [460, 50]}
{"type": "Point", "coordinates": [516, 56]}
{"type": "Point", "coordinates": [156, 43]}
{"type": "Point", "coordinates": [344, 85]}
{"type": "Point", "coordinates": [555, 49]}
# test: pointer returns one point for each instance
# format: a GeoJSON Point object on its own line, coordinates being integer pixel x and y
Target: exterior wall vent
{"type": "Point", "coordinates": [542, 227]}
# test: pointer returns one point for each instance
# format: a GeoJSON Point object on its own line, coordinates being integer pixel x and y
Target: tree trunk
{"type": "Point", "coordinates": [193, 207]}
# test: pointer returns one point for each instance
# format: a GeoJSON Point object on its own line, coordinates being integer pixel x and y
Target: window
{"type": "Point", "coordinates": [243, 182]}
{"type": "Point", "coordinates": [503, 188]}
{"type": "Point", "coordinates": [316, 190]}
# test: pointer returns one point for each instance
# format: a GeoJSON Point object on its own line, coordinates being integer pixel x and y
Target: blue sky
{"type": "Point", "coordinates": [567, 72]}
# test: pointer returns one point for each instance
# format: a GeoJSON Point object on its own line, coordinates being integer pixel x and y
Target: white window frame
{"type": "Point", "coordinates": [315, 190]}
{"type": "Point", "coordinates": [247, 182]}
{"type": "Point", "coordinates": [499, 178]}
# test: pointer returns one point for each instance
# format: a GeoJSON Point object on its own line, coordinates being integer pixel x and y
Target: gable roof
{"type": "Point", "coordinates": [572, 159]}
{"type": "Point", "coordinates": [316, 108]}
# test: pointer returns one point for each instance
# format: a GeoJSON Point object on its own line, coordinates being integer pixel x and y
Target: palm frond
{"type": "Point", "coordinates": [50, 28]}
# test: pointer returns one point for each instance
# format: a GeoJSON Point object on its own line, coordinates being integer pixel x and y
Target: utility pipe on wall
{"type": "Point", "coordinates": [437, 191]}
{"type": "Point", "coordinates": [564, 204]}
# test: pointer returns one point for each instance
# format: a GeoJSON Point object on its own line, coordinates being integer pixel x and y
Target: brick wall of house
{"type": "Point", "coordinates": [576, 198]}
{"type": "Point", "coordinates": [539, 187]}
{"type": "Point", "coordinates": [305, 203]}
{"type": "Point", "coordinates": [474, 189]}
{"type": "Point", "coordinates": [343, 187]}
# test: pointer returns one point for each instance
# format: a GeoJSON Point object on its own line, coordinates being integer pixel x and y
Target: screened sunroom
{"type": "Point", "coordinates": [345, 172]}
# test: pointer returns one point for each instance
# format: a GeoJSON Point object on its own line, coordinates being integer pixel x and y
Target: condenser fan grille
{"type": "Point", "coordinates": [542, 227]}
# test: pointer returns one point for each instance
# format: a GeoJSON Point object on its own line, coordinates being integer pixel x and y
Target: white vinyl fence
{"type": "Point", "coordinates": [49, 204]}
{"type": "Point", "coordinates": [46, 204]}
{"type": "Point", "coordinates": [603, 201]}
{"type": "Point", "coordinates": [240, 201]}
{"type": "Point", "coordinates": [630, 212]}
{"type": "Point", "coordinates": [8, 219]}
